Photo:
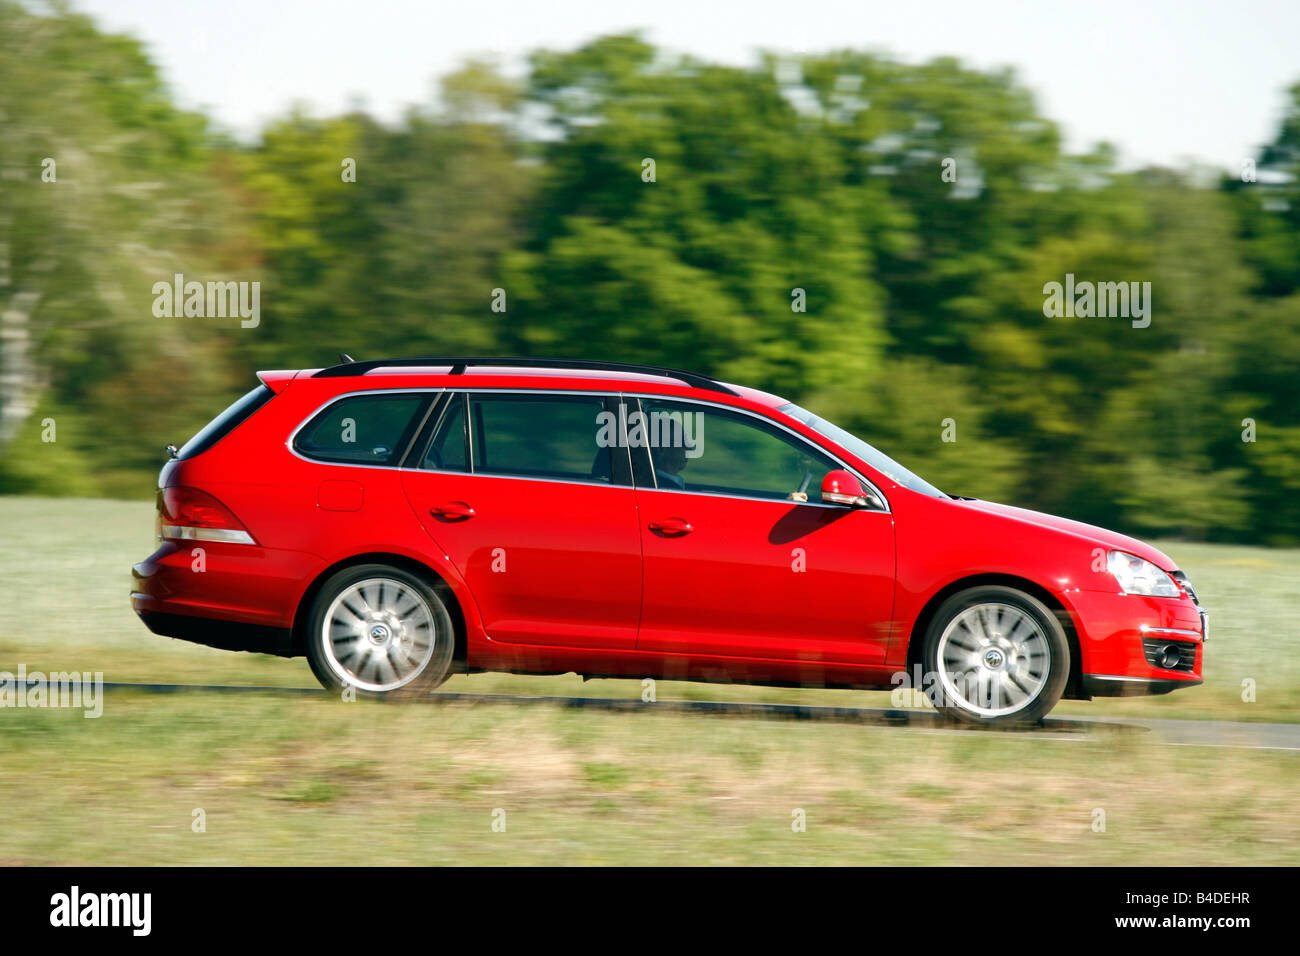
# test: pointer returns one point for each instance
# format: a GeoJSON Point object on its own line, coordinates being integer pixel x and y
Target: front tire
{"type": "Point", "coordinates": [998, 655]}
{"type": "Point", "coordinates": [382, 630]}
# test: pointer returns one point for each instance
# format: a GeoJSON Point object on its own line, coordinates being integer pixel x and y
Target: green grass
{"type": "Point", "coordinates": [320, 781]}
{"type": "Point", "coordinates": [317, 780]}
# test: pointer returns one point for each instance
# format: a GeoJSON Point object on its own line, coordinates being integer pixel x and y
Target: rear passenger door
{"type": "Point", "coordinates": [537, 513]}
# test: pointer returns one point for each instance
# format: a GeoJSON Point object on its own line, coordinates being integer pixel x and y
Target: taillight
{"type": "Point", "coordinates": [187, 514]}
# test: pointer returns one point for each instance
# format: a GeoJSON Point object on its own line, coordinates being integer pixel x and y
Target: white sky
{"type": "Point", "coordinates": [1165, 80]}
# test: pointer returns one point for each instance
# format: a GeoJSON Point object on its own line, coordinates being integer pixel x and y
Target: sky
{"type": "Point", "coordinates": [1166, 81]}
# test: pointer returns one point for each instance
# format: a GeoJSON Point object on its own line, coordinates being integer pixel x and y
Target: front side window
{"type": "Point", "coordinates": [708, 450]}
{"type": "Point", "coordinates": [855, 445]}
{"type": "Point", "coordinates": [542, 436]}
{"type": "Point", "coordinates": [363, 429]}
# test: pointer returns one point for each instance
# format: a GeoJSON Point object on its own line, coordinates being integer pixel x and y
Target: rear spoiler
{"type": "Point", "coordinates": [277, 380]}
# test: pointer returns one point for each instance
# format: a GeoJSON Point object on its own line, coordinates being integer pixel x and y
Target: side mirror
{"type": "Point", "coordinates": [841, 488]}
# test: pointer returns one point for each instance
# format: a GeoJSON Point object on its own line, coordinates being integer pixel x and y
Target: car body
{"type": "Point", "coordinates": [719, 533]}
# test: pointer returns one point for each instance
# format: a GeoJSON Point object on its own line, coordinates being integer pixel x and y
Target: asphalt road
{"type": "Point", "coordinates": [1179, 733]}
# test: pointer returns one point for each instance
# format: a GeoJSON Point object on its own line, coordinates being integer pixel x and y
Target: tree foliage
{"type": "Point", "coordinates": [867, 237]}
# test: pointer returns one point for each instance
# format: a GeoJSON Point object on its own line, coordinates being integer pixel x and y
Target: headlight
{"type": "Point", "coordinates": [1136, 576]}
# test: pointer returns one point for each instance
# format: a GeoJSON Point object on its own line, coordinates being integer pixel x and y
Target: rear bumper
{"type": "Point", "coordinates": [1112, 685]}
{"type": "Point", "coordinates": [224, 635]}
{"type": "Point", "coordinates": [232, 596]}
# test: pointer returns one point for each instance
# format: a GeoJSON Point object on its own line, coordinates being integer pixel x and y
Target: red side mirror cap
{"type": "Point", "coordinates": [841, 488]}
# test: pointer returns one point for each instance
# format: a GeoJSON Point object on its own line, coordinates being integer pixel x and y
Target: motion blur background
{"type": "Point", "coordinates": [502, 145]}
{"type": "Point", "coordinates": [816, 170]}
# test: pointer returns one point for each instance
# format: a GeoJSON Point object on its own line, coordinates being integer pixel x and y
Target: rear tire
{"type": "Point", "coordinates": [998, 655]}
{"type": "Point", "coordinates": [381, 630]}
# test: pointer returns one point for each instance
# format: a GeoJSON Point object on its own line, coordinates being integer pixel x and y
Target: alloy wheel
{"type": "Point", "coordinates": [993, 659]}
{"type": "Point", "coordinates": [379, 634]}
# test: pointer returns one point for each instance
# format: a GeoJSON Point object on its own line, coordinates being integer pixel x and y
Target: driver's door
{"type": "Point", "coordinates": [736, 563]}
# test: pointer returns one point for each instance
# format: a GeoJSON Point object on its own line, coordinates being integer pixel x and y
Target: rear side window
{"type": "Point", "coordinates": [226, 422]}
{"type": "Point", "coordinates": [364, 429]}
{"type": "Point", "coordinates": [540, 436]}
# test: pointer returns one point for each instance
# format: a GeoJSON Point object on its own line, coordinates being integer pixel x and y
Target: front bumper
{"type": "Point", "coordinates": [1121, 635]}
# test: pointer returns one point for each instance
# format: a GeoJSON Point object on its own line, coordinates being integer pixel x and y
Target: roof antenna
{"type": "Point", "coordinates": [345, 358]}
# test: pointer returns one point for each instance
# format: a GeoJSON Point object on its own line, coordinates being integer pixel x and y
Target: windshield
{"type": "Point", "coordinates": [856, 446]}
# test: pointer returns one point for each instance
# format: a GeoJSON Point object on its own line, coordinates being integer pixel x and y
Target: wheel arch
{"type": "Point", "coordinates": [916, 638]}
{"type": "Point", "coordinates": [406, 563]}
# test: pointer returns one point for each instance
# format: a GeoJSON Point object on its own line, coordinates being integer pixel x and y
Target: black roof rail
{"type": "Point", "coordinates": [460, 364]}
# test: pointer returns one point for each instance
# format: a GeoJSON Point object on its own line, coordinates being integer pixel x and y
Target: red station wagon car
{"type": "Point", "coordinates": [400, 520]}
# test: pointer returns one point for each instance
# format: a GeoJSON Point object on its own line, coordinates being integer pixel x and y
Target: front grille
{"type": "Point", "coordinates": [1154, 649]}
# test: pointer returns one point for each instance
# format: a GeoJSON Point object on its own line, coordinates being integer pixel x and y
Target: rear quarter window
{"type": "Point", "coordinates": [363, 430]}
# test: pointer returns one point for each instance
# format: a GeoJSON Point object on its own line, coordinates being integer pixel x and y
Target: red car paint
{"type": "Point", "coordinates": [628, 580]}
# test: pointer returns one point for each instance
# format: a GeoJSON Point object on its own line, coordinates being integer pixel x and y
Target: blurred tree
{"type": "Point", "coordinates": [103, 191]}
{"type": "Point", "coordinates": [691, 214]}
{"type": "Point", "coordinates": [929, 418]}
{"type": "Point", "coordinates": [1268, 206]}
{"type": "Point", "coordinates": [1157, 449]}
{"type": "Point", "coordinates": [1262, 385]}
{"type": "Point", "coordinates": [867, 237]}
{"type": "Point", "coordinates": [404, 258]}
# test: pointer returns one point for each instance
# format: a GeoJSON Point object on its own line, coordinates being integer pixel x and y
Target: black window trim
{"type": "Point", "coordinates": [438, 411]}
{"type": "Point", "coordinates": [422, 414]}
{"type": "Point", "coordinates": [429, 410]}
{"type": "Point", "coordinates": [626, 397]}
{"type": "Point", "coordinates": [622, 476]}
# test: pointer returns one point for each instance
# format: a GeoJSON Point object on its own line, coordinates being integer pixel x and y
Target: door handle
{"type": "Point", "coordinates": [671, 527]}
{"type": "Point", "coordinates": [452, 511]}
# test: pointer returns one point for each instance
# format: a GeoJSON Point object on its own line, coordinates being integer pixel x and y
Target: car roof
{"type": "Point", "coordinates": [449, 375]}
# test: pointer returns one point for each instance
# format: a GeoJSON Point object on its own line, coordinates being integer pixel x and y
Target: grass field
{"type": "Point", "coordinates": [315, 780]}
